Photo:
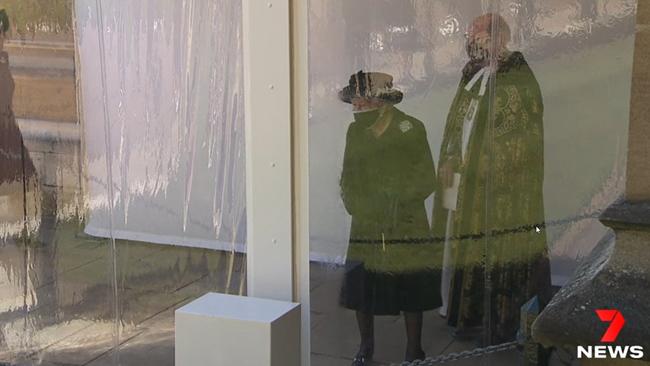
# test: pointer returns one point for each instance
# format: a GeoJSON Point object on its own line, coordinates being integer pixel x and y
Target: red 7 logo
{"type": "Point", "coordinates": [616, 320]}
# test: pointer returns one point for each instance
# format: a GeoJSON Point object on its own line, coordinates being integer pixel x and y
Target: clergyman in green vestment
{"type": "Point", "coordinates": [494, 146]}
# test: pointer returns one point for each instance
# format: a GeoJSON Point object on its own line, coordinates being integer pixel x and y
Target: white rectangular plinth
{"type": "Point", "coordinates": [226, 330]}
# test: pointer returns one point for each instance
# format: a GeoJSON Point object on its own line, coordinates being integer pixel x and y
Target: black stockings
{"type": "Point", "coordinates": [413, 336]}
{"type": "Point", "coordinates": [366, 324]}
{"type": "Point", "coordinates": [413, 321]}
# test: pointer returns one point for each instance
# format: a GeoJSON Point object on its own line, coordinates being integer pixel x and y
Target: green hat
{"type": "Point", "coordinates": [4, 21]}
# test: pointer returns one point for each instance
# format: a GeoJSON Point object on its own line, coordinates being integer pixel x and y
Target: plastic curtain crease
{"type": "Point", "coordinates": [175, 110]}
{"type": "Point", "coordinates": [569, 85]}
{"type": "Point", "coordinates": [126, 192]}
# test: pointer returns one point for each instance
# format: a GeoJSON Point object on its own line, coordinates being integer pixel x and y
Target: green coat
{"type": "Point", "coordinates": [500, 202]}
{"type": "Point", "coordinates": [384, 183]}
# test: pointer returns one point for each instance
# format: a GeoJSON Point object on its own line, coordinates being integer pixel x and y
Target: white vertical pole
{"type": "Point", "coordinates": [267, 86]}
{"type": "Point", "coordinates": [300, 96]}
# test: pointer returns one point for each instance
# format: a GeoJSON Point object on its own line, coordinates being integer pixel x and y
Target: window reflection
{"type": "Point", "coordinates": [68, 294]}
{"type": "Point", "coordinates": [16, 166]}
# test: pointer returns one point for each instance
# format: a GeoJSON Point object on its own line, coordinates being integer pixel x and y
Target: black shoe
{"type": "Point", "coordinates": [421, 356]}
{"type": "Point", "coordinates": [361, 360]}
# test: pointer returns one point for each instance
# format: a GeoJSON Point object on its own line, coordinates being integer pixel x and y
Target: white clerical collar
{"type": "Point", "coordinates": [482, 73]}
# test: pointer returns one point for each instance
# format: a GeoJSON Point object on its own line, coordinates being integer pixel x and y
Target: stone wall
{"type": "Point", "coordinates": [44, 74]}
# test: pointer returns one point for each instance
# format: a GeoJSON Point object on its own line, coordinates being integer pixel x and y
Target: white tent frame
{"type": "Point", "coordinates": [275, 43]}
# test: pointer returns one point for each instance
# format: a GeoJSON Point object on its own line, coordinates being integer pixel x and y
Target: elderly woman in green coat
{"type": "Point", "coordinates": [388, 172]}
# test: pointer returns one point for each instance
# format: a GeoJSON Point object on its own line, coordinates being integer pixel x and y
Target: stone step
{"type": "Point", "coordinates": [39, 97]}
{"type": "Point", "coordinates": [44, 74]}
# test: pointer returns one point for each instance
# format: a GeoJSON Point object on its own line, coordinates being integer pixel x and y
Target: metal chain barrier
{"type": "Point", "coordinates": [478, 236]}
{"type": "Point", "coordinates": [480, 352]}
{"type": "Point", "coordinates": [450, 357]}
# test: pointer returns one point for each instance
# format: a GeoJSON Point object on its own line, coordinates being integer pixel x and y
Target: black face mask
{"type": "Point", "coordinates": [366, 117]}
{"type": "Point", "coordinates": [476, 53]}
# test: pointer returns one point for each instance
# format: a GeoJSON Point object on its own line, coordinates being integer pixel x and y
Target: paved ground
{"type": "Point", "coordinates": [57, 305]}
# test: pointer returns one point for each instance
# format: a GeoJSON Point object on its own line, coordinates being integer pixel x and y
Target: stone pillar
{"type": "Point", "coordinates": [638, 169]}
{"type": "Point", "coordinates": [617, 273]}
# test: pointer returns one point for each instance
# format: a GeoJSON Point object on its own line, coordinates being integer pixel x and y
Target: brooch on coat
{"type": "Point", "coordinates": [405, 126]}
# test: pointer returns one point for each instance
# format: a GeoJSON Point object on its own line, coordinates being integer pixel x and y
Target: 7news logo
{"type": "Point", "coordinates": [616, 322]}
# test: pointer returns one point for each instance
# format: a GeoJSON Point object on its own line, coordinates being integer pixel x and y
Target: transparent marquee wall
{"type": "Point", "coordinates": [464, 177]}
{"type": "Point", "coordinates": [460, 154]}
{"type": "Point", "coordinates": [122, 186]}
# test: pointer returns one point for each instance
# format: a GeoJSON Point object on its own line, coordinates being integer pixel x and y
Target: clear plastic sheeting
{"type": "Point", "coordinates": [55, 287]}
{"type": "Point", "coordinates": [175, 111]}
{"type": "Point", "coordinates": [525, 113]}
{"type": "Point", "coordinates": [122, 183]}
